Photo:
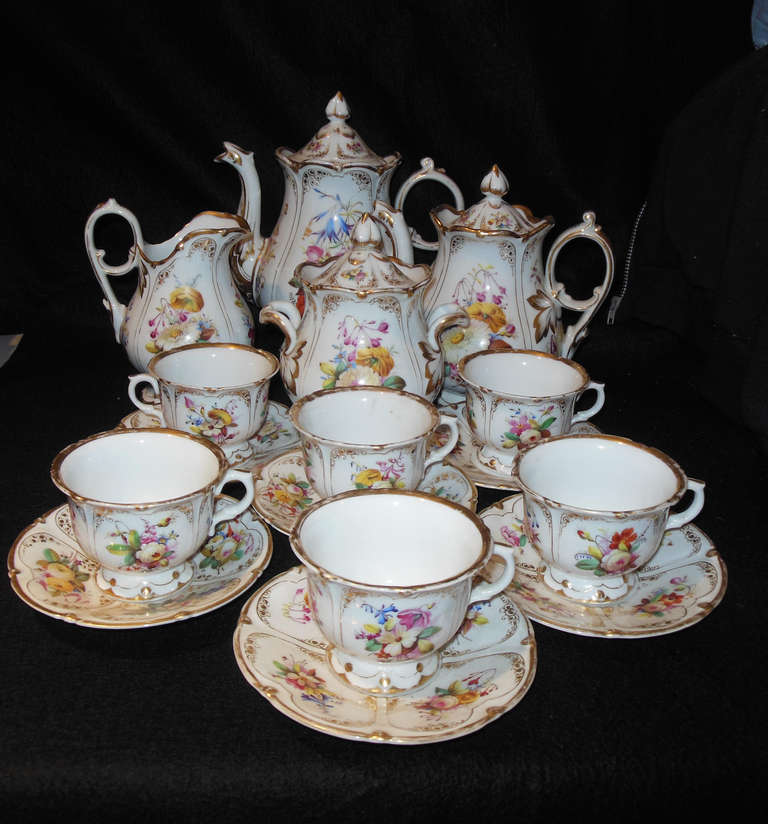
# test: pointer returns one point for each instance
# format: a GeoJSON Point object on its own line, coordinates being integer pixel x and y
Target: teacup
{"type": "Point", "coordinates": [516, 397]}
{"type": "Point", "coordinates": [142, 504]}
{"type": "Point", "coordinates": [390, 577]}
{"type": "Point", "coordinates": [365, 437]}
{"type": "Point", "coordinates": [218, 391]}
{"type": "Point", "coordinates": [596, 509]}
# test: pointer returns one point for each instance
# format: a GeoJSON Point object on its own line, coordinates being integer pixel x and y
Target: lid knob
{"type": "Point", "coordinates": [366, 232]}
{"type": "Point", "coordinates": [337, 108]}
{"type": "Point", "coordinates": [494, 185]}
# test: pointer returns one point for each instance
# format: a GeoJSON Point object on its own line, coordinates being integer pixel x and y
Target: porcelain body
{"type": "Point", "coordinates": [186, 292]}
{"type": "Point", "coordinates": [596, 508]}
{"type": "Point", "coordinates": [366, 438]}
{"type": "Point", "coordinates": [142, 505]}
{"type": "Point", "coordinates": [216, 391]}
{"type": "Point", "coordinates": [363, 323]}
{"type": "Point", "coordinates": [329, 185]}
{"type": "Point", "coordinates": [490, 263]}
{"type": "Point", "coordinates": [390, 579]}
{"type": "Point", "coordinates": [515, 398]}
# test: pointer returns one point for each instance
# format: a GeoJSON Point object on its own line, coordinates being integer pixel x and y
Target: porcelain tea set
{"type": "Point", "coordinates": [409, 383]}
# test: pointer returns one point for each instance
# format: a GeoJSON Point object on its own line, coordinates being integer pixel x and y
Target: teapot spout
{"type": "Point", "coordinates": [249, 208]}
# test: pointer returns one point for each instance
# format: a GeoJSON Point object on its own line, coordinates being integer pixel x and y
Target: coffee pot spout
{"type": "Point", "coordinates": [249, 208]}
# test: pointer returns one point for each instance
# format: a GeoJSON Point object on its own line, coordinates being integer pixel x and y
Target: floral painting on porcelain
{"type": "Point", "coordinates": [230, 543]}
{"type": "Point", "coordinates": [609, 553]}
{"type": "Point", "coordinates": [154, 547]}
{"type": "Point", "coordinates": [395, 634]}
{"type": "Point", "coordinates": [216, 424]}
{"type": "Point", "coordinates": [329, 232]}
{"type": "Point", "coordinates": [179, 319]}
{"type": "Point", "coordinates": [484, 299]}
{"type": "Point", "coordinates": [61, 576]}
{"type": "Point", "coordinates": [385, 475]}
{"type": "Point", "coordinates": [362, 356]}
{"type": "Point", "coordinates": [525, 428]}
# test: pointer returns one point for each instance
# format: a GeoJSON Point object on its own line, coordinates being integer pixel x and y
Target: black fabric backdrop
{"type": "Point", "coordinates": [573, 103]}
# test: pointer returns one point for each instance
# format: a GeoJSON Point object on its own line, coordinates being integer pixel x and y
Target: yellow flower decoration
{"type": "Point", "coordinates": [489, 313]}
{"type": "Point", "coordinates": [368, 477]}
{"type": "Point", "coordinates": [377, 358]}
{"type": "Point", "coordinates": [186, 298]}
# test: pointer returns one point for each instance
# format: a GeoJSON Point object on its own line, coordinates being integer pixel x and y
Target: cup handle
{"type": "Point", "coordinates": [678, 519]}
{"type": "Point", "coordinates": [443, 451]}
{"type": "Point", "coordinates": [485, 590]}
{"type": "Point", "coordinates": [230, 511]}
{"type": "Point", "coordinates": [146, 408]}
{"type": "Point", "coordinates": [586, 414]}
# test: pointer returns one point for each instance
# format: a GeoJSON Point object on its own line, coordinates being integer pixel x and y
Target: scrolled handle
{"type": "Point", "coordinates": [441, 452]}
{"type": "Point", "coordinates": [230, 511]}
{"type": "Point", "coordinates": [678, 519]}
{"type": "Point", "coordinates": [485, 590]}
{"type": "Point", "coordinates": [586, 414]}
{"type": "Point", "coordinates": [287, 319]}
{"type": "Point", "coordinates": [101, 269]}
{"type": "Point", "coordinates": [428, 171]}
{"type": "Point", "coordinates": [146, 408]}
{"type": "Point", "coordinates": [589, 229]}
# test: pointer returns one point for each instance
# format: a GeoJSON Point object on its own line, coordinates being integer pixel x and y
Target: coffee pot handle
{"type": "Point", "coordinates": [486, 590]}
{"type": "Point", "coordinates": [101, 269]}
{"type": "Point", "coordinates": [590, 230]}
{"type": "Point", "coordinates": [286, 317]}
{"type": "Point", "coordinates": [428, 171]}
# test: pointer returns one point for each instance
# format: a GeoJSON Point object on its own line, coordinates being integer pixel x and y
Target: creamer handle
{"type": "Point", "coordinates": [590, 230]}
{"type": "Point", "coordinates": [428, 171]}
{"type": "Point", "coordinates": [286, 317]}
{"type": "Point", "coordinates": [101, 269]}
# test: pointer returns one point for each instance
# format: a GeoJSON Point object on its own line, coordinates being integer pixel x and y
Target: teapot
{"type": "Point", "coordinates": [489, 262]}
{"type": "Point", "coordinates": [186, 292]}
{"type": "Point", "coordinates": [364, 323]}
{"type": "Point", "coordinates": [329, 185]}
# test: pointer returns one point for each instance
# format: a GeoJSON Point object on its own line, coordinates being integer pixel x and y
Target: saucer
{"type": "Point", "coordinates": [275, 437]}
{"type": "Point", "coordinates": [483, 471]}
{"type": "Point", "coordinates": [682, 584]}
{"type": "Point", "coordinates": [282, 491]}
{"type": "Point", "coordinates": [69, 592]}
{"type": "Point", "coordinates": [484, 672]}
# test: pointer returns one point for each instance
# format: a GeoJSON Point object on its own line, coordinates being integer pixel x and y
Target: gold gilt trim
{"type": "Point", "coordinates": [242, 226]}
{"type": "Point", "coordinates": [545, 223]}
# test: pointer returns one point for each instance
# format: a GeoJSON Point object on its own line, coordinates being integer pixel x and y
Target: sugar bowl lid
{"type": "Point", "coordinates": [492, 215]}
{"type": "Point", "coordinates": [337, 145]}
{"type": "Point", "coordinates": [364, 268]}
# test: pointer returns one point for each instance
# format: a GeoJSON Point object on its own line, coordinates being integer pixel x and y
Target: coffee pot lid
{"type": "Point", "coordinates": [337, 144]}
{"type": "Point", "coordinates": [364, 267]}
{"type": "Point", "coordinates": [494, 215]}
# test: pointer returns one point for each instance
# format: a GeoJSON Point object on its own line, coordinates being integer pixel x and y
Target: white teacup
{"type": "Point", "coordinates": [217, 391]}
{"type": "Point", "coordinates": [390, 577]}
{"type": "Point", "coordinates": [364, 437]}
{"type": "Point", "coordinates": [516, 397]}
{"type": "Point", "coordinates": [142, 504]}
{"type": "Point", "coordinates": [596, 508]}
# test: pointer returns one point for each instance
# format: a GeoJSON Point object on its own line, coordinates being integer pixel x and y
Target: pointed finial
{"type": "Point", "coordinates": [366, 233]}
{"type": "Point", "coordinates": [494, 185]}
{"type": "Point", "coordinates": [337, 108]}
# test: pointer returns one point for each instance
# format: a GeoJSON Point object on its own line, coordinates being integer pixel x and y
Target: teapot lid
{"type": "Point", "coordinates": [492, 215]}
{"type": "Point", "coordinates": [364, 268]}
{"type": "Point", "coordinates": [337, 144]}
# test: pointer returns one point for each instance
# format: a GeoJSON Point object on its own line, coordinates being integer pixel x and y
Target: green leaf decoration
{"type": "Point", "coordinates": [340, 367]}
{"type": "Point", "coordinates": [120, 549]}
{"type": "Point", "coordinates": [360, 486]}
{"type": "Point", "coordinates": [134, 539]}
{"type": "Point", "coordinates": [523, 540]}
{"type": "Point", "coordinates": [394, 382]}
{"type": "Point", "coordinates": [206, 562]}
{"type": "Point", "coordinates": [281, 667]}
{"type": "Point", "coordinates": [373, 646]}
{"type": "Point", "coordinates": [588, 563]}
{"type": "Point", "coordinates": [547, 423]}
{"type": "Point", "coordinates": [511, 437]}
{"type": "Point", "coordinates": [50, 555]}
{"type": "Point", "coordinates": [329, 384]}
{"type": "Point", "coordinates": [428, 631]}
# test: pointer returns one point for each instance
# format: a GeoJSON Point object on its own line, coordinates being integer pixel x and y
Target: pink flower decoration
{"type": "Point", "coordinates": [315, 253]}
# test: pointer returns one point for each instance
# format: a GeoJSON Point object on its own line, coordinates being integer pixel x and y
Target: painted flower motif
{"type": "Point", "coordinates": [61, 576]}
{"type": "Point", "coordinates": [489, 313]}
{"type": "Point", "coordinates": [545, 319]}
{"type": "Point", "coordinates": [459, 693]}
{"type": "Point", "coordinates": [664, 599]}
{"type": "Point", "coordinates": [146, 550]}
{"type": "Point", "coordinates": [397, 634]}
{"type": "Point", "coordinates": [367, 478]}
{"type": "Point", "coordinates": [290, 493]}
{"type": "Point", "coordinates": [377, 357]}
{"type": "Point", "coordinates": [359, 376]}
{"type": "Point", "coordinates": [525, 429]}
{"type": "Point", "coordinates": [300, 677]}
{"type": "Point", "coordinates": [609, 555]}
{"type": "Point", "coordinates": [215, 424]}
{"type": "Point", "coordinates": [474, 618]}
{"type": "Point", "coordinates": [186, 299]}
{"type": "Point", "coordinates": [230, 543]}
{"type": "Point", "coordinates": [299, 609]}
